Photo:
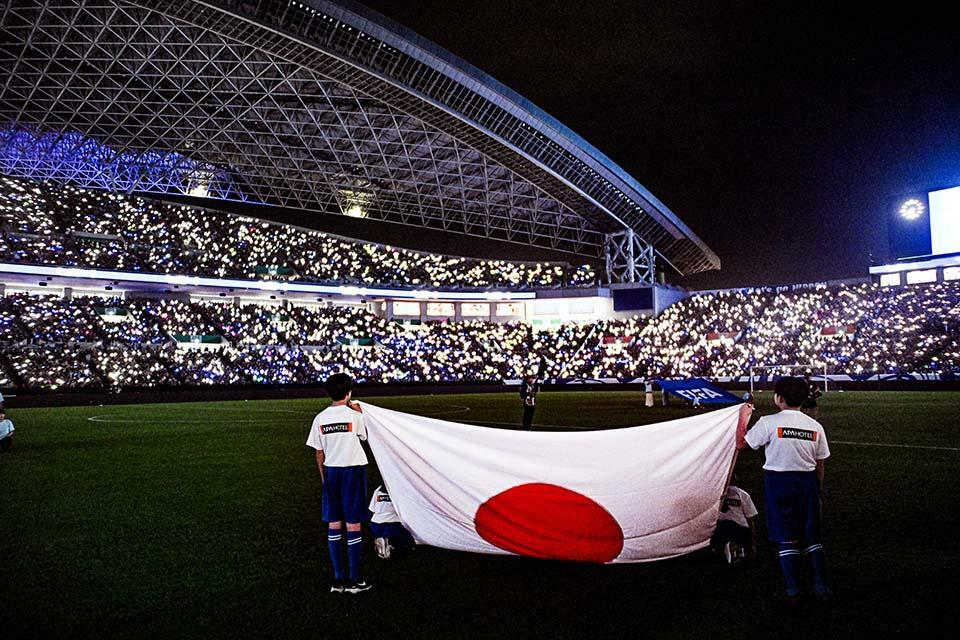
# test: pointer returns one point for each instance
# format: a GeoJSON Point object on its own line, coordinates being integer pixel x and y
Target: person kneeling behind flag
{"type": "Point", "coordinates": [736, 534]}
{"type": "Point", "coordinates": [6, 431]}
{"type": "Point", "coordinates": [388, 533]}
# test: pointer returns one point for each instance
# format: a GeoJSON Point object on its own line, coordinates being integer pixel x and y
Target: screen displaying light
{"type": "Point", "coordinates": [911, 209]}
{"type": "Point", "coordinates": [356, 212]}
{"type": "Point", "coordinates": [945, 221]}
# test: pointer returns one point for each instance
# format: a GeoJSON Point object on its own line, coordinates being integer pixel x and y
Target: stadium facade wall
{"type": "Point", "coordinates": [942, 268]}
{"type": "Point", "coordinates": [782, 288]}
{"type": "Point", "coordinates": [542, 308]}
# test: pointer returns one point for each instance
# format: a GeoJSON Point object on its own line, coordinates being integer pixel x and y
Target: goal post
{"type": "Point", "coordinates": [756, 371]}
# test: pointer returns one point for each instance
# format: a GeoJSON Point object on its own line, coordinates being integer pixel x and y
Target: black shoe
{"type": "Point", "coordinates": [358, 587]}
{"type": "Point", "coordinates": [337, 586]}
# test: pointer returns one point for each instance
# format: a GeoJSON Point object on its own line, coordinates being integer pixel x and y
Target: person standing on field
{"type": "Point", "coordinates": [795, 451]}
{"type": "Point", "coordinates": [528, 394]}
{"type": "Point", "coordinates": [336, 434]}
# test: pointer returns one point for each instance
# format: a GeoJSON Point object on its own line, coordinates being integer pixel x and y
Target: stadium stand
{"type": "Point", "coordinates": [91, 341]}
{"type": "Point", "coordinates": [62, 225]}
{"type": "Point", "coordinates": [112, 342]}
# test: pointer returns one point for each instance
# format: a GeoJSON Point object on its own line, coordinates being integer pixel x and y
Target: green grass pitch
{"type": "Point", "coordinates": [201, 520]}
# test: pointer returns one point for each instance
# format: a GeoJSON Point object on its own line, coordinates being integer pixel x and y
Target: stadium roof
{"type": "Point", "coordinates": [314, 105]}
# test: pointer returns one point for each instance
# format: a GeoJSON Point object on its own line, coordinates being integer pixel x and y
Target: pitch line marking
{"type": "Point", "coordinates": [112, 418]}
{"type": "Point", "coordinates": [463, 409]}
{"type": "Point", "coordinates": [897, 446]}
{"type": "Point", "coordinates": [455, 410]}
{"type": "Point", "coordinates": [541, 426]}
{"type": "Point", "coordinates": [118, 418]}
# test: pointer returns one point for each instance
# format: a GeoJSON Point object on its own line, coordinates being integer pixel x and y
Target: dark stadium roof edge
{"type": "Point", "coordinates": [320, 106]}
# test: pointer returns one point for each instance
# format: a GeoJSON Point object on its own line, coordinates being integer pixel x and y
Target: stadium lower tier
{"type": "Point", "coordinates": [98, 342]}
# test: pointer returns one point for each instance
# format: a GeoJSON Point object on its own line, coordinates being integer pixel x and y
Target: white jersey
{"type": "Point", "coordinates": [337, 431]}
{"type": "Point", "coordinates": [739, 505]}
{"type": "Point", "coordinates": [382, 507]}
{"type": "Point", "coordinates": [791, 441]}
{"type": "Point", "coordinates": [6, 428]}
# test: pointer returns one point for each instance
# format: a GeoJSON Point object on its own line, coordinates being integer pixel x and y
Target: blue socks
{"type": "Point", "coordinates": [334, 538]}
{"type": "Point", "coordinates": [354, 540]}
{"type": "Point", "coordinates": [790, 564]}
{"type": "Point", "coordinates": [354, 544]}
{"type": "Point", "coordinates": [819, 564]}
{"type": "Point", "coordinates": [791, 560]}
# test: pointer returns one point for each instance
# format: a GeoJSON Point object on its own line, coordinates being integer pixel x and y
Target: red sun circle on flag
{"type": "Point", "coordinates": [547, 521]}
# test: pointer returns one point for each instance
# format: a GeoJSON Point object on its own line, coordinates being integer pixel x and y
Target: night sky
{"type": "Point", "coordinates": [781, 133]}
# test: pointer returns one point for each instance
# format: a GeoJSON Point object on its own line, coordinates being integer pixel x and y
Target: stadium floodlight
{"type": "Point", "coordinates": [911, 209]}
{"type": "Point", "coordinates": [199, 191]}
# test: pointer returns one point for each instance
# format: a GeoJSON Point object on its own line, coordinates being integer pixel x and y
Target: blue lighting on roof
{"type": "Point", "coordinates": [76, 159]}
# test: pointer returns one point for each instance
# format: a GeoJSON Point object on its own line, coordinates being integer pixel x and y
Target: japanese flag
{"type": "Point", "coordinates": [622, 495]}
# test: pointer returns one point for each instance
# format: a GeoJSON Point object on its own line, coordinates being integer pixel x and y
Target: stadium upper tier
{"type": "Point", "coordinates": [51, 343]}
{"type": "Point", "coordinates": [315, 105]}
{"type": "Point", "coordinates": [66, 226]}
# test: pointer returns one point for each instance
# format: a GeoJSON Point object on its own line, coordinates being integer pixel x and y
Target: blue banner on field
{"type": "Point", "coordinates": [698, 391]}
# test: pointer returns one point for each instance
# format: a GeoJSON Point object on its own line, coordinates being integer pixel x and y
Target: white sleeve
{"type": "Point", "coordinates": [823, 449]}
{"type": "Point", "coordinates": [314, 440]}
{"type": "Point", "coordinates": [759, 435]}
{"type": "Point", "coordinates": [361, 426]}
{"type": "Point", "coordinates": [749, 509]}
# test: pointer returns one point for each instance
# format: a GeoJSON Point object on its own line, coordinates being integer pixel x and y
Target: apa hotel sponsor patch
{"type": "Point", "coordinates": [797, 434]}
{"type": "Point", "coordinates": [340, 427]}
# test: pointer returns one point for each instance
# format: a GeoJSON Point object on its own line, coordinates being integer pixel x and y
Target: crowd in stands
{"type": "Point", "coordinates": [52, 343]}
{"type": "Point", "coordinates": [48, 224]}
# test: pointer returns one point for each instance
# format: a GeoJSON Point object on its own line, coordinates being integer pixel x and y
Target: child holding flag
{"type": "Point", "coordinates": [336, 434]}
{"type": "Point", "coordinates": [795, 449]}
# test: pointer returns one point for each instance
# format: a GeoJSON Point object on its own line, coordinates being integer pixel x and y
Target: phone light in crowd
{"type": "Point", "coordinates": [911, 209]}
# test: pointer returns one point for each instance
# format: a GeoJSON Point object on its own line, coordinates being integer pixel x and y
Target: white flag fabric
{"type": "Point", "coordinates": [622, 495]}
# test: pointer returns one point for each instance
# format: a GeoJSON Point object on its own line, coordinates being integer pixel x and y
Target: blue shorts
{"type": "Point", "coordinates": [793, 506]}
{"type": "Point", "coordinates": [345, 494]}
